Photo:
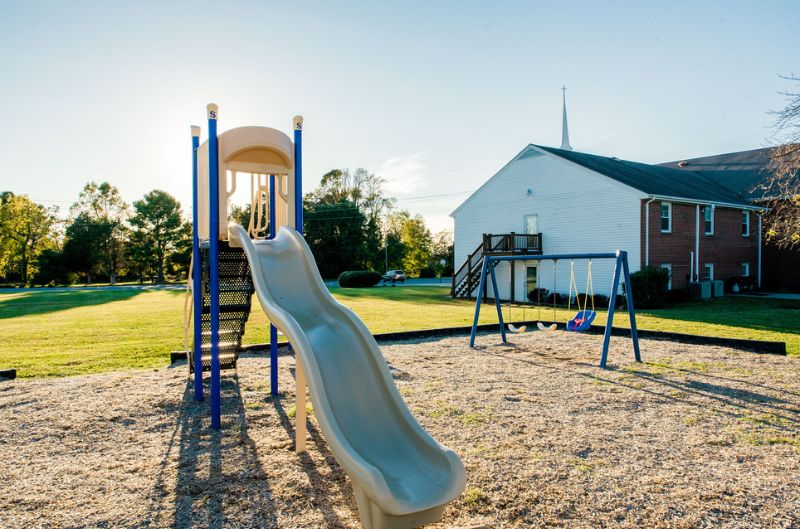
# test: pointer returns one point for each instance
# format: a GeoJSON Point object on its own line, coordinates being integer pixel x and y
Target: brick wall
{"type": "Point", "coordinates": [726, 249]}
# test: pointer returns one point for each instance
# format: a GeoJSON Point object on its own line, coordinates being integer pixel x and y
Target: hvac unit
{"type": "Point", "coordinates": [701, 289]}
{"type": "Point", "coordinates": [718, 288]}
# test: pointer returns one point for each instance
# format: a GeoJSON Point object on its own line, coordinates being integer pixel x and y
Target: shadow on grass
{"type": "Point", "coordinates": [206, 478]}
{"type": "Point", "coordinates": [33, 303]}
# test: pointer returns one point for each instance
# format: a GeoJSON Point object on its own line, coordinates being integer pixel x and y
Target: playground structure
{"type": "Point", "coordinates": [582, 320]}
{"type": "Point", "coordinates": [401, 476]}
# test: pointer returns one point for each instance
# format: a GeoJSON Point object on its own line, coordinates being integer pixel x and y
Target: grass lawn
{"type": "Point", "coordinates": [83, 331]}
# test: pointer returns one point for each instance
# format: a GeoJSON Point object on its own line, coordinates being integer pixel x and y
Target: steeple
{"type": "Point", "coordinates": [564, 128]}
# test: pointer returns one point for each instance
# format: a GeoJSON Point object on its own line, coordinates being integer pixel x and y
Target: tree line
{"type": "Point", "coordinates": [349, 223]}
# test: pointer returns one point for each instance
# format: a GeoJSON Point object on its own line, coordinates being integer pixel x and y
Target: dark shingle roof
{"type": "Point", "coordinates": [741, 171]}
{"type": "Point", "coordinates": [662, 180]}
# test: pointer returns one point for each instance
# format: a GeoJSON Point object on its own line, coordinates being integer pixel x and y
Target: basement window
{"type": "Point", "coordinates": [745, 269]}
{"type": "Point", "coordinates": [666, 217]}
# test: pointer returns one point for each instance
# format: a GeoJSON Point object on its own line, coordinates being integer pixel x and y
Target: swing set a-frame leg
{"type": "Point", "coordinates": [620, 268]}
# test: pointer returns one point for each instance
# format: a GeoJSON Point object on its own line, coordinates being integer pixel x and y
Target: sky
{"type": "Point", "coordinates": [434, 96]}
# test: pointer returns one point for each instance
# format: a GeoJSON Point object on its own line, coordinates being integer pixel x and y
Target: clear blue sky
{"type": "Point", "coordinates": [436, 96]}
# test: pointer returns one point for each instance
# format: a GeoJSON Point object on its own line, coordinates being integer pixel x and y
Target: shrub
{"type": "Point", "coordinates": [359, 279]}
{"type": "Point", "coordinates": [427, 272]}
{"type": "Point", "coordinates": [649, 287]}
{"type": "Point", "coordinates": [740, 284]}
{"type": "Point", "coordinates": [678, 296]}
{"type": "Point", "coordinates": [538, 295]}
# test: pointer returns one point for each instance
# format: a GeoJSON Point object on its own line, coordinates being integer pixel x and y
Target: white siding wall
{"type": "Point", "coordinates": [578, 211]}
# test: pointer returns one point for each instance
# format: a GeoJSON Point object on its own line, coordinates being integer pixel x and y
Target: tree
{"type": "Point", "coordinates": [25, 230]}
{"type": "Point", "coordinates": [52, 268]}
{"type": "Point", "coordinates": [443, 249]}
{"type": "Point", "coordinates": [335, 233]}
{"type": "Point", "coordinates": [157, 227]}
{"type": "Point", "coordinates": [781, 189]}
{"type": "Point", "coordinates": [83, 251]}
{"type": "Point", "coordinates": [103, 205]}
{"type": "Point", "coordinates": [365, 191]}
{"type": "Point", "coordinates": [416, 237]}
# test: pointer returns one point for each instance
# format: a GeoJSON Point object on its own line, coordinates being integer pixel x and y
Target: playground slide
{"type": "Point", "coordinates": [401, 476]}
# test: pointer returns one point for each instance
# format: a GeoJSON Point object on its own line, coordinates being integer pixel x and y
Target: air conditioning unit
{"type": "Point", "coordinates": [718, 288]}
{"type": "Point", "coordinates": [701, 289]}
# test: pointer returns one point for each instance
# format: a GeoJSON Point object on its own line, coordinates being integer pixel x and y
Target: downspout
{"type": "Point", "coordinates": [697, 241]}
{"type": "Point", "coordinates": [647, 231]}
{"type": "Point", "coordinates": [759, 250]}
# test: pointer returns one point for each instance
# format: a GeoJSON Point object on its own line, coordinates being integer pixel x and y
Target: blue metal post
{"type": "Point", "coordinates": [631, 311]}
{"type": "Point", "coordinates": [298, 173]}
{"type": "Point", "coordinates": [213, 252]}
{"type": "Point", "coordinates": [612, 302]}
{"type": "Point", "coordinates": [273, 331]}
{"type": "Point", "coordinates": [478, 304]}
{"type": "Point", "coordinates": [497, 303]}
{"type": "Point", "coordinates": [197, 278]}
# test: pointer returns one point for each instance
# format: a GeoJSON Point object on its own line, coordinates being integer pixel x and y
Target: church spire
{"type": "Point", "coordinates": [564, 128]}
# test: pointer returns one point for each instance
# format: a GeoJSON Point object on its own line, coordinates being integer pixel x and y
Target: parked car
{"type": "Point", "coordinates": [394, 275]}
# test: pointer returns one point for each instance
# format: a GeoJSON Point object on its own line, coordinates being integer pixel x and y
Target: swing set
{"type": "Point", "coordinates": [582, 321]}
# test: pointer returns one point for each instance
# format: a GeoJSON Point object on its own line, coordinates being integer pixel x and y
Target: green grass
{"type": "Point", "coordinates": [85, 331]}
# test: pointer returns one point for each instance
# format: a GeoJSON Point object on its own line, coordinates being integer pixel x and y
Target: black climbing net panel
{"type": "Point", "coordinates": [235, 300]}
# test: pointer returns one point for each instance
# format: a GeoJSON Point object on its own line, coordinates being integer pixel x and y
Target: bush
{"type": "Point", "coordinates": [678, 296]}
{"type": "Point", "coordinates": [427, 272]}
{"type": "Point", "coordinates": [538, 295]}
{"type": "Point", "coordinates": [649, 287]}
{"type": "Point", "coordinates": [359, 279]}
{"type": "Point", "coordinates": [740, 284]}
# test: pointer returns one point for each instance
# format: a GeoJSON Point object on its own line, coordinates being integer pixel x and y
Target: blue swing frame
{"type": "Point", "coordinates": [621, 271]}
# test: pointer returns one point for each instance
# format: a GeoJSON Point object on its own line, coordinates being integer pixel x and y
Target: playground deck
{"type": "Point", "coordinates": [695, 436]}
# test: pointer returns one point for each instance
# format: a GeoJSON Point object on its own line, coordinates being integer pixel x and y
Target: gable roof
{"type": "Point", "coordinates": [663, 180]}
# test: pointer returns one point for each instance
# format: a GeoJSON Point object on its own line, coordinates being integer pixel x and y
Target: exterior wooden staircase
{"type": "Point", "coordinates": [467, 278]}
{"type": "Point", "coordinates": [235, 296]}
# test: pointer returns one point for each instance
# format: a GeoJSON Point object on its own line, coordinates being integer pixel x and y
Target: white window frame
{"type": "Point", "coordinates": [668, 268]}
{"type": "Point", "coordinates": [669, 217]}
{"type": "Point", "coordinates": [711, 220]}
{"type": "Point", "coordinates": [746, 223]}
{"type": "Point", "coordinates": [710, 267]}
{"type": "Point", "coordinates": [745, 270]}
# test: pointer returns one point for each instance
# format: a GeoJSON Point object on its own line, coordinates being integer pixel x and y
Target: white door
{"type": "Point", "coordinates": [531, 224]}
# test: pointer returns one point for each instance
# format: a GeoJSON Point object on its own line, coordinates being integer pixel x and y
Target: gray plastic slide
{"type": "Point", "coordinates": [401, 476]}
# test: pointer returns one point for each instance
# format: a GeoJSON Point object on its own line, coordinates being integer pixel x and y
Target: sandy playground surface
{"type": "Point", "coordinates": [697, 436]}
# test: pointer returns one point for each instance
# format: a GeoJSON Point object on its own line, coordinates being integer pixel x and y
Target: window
{"type": "Point", "coordinates": [666, 217]}
{"type": "Point", "coordinates": [668, 268]}
{"type": "Point", "coordinates": [745, 269]}
{"type": "Point", "coordinates": [708, 216]}
{"type": "Point", "coordinates": [708, 272]}
{"type": "Point", "coordinates": [745, 224]}
{"type": "Point", "coordinates": [530, 284]}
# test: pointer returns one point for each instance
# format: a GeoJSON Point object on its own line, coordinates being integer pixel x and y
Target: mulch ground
{"type": "Point", "coordinates": [696, 436]}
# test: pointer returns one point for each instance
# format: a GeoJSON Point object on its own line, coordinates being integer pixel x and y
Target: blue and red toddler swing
{"type": "Point", "coordinates": [582, 321]}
